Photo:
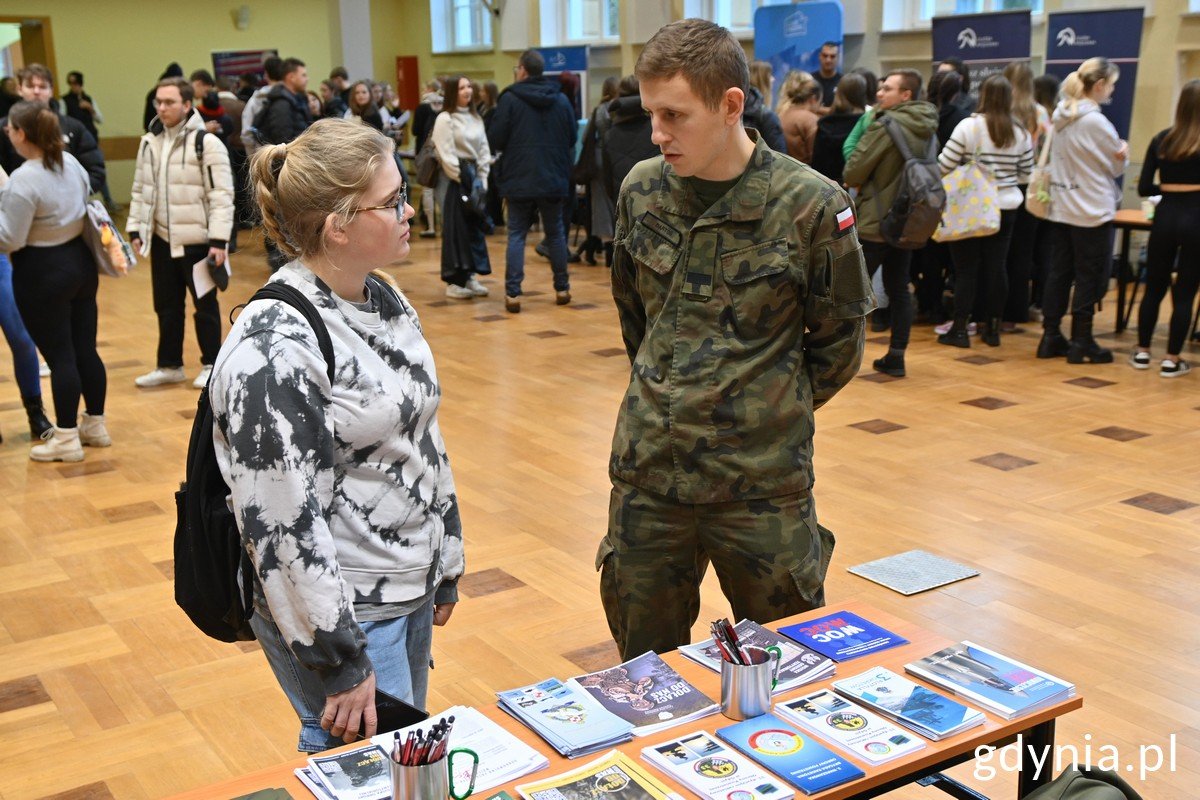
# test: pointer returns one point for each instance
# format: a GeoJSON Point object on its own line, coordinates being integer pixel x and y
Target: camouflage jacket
{"type": "Point", "coordinates": [739, 321]}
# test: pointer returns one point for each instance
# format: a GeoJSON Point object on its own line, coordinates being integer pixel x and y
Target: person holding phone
{"type": "Point", "coordinates": [342, 491]}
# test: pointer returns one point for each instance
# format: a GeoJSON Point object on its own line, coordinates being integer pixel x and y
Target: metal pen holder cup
{"type": "Point", "coordinates": [432, 781]}
{"type": "Point", "coordinates": [746, 688]}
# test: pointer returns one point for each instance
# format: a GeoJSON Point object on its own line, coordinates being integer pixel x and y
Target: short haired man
{"type": "Point", "coordinates": [875, 167]}
{"type": "Point", "coordinates": [181, 212]}
{"type": "Point", "coordinates": [273, 72]}
{"type": "Point", "coordinates": [35, 83]}
{"type": "Point", "coordinates": [828, 75]}
{"type": "Point", "coordinates": [534, 127]}
{"type": "Point", "coordinates": [340, 79]}
{"type": "Point", "coordinates": [741, 294]}
{"type": "Point", "coordinates": [80, 105]}
{"type": "Point", "coordinates": [285, 112]}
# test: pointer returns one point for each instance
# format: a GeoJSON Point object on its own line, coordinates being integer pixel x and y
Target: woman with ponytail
{"type": "Point", "coordinates": [54, 278]}
{"type": "Point", "coordinates": [1174, 154]}
{"type": "Point", "coordinates": [341, 490]}
{"type": "Point", "coordinates": [1086, 157]}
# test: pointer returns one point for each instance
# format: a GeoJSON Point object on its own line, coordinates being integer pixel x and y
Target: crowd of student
{"type": "Point", "coordinates": [509, 158]}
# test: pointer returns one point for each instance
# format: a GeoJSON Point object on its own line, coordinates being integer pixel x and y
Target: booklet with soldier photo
{"type": "Point", "coordinates": [648, 693]}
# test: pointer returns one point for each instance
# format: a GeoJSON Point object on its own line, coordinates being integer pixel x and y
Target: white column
{"type": "Point", "coordinates": [357, 54]}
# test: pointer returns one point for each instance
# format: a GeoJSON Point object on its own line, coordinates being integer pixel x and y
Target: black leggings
{"type": "Point", "coordinates": [979, 271]}
{"type": "Point", "coordinates": [1175, 233]}
{"type": "Point", "coordinates": [55, 290]}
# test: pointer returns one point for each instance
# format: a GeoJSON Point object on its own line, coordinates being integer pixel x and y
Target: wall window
{"type": "Point", "coordinates": [460, 25]}
{"type": "Point", "coordinates": [592, 21]}
{"type": "Point", "coordinates": [908, 14]}
{"type": "Point", "coordinates": [737, 15]}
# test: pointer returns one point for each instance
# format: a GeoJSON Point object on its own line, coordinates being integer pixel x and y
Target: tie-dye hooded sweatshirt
{"type": "Point", "coordinates": [343, 494]}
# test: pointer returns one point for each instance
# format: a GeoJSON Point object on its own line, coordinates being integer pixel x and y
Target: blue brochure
{"type": "Point", "coordinates": [842, 636]}
{"type": "Point", "coordinates": [801, 761]}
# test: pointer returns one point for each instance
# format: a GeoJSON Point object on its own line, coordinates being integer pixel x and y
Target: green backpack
{"type": "Point", "coordinates": [1085, 784]}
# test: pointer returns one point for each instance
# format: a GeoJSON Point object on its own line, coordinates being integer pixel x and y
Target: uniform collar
{"type": "Point", "coordinates": [746, 201]}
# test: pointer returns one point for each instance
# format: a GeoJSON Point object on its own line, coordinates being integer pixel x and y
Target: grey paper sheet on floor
{"type": "Point", "coordinates": [913, 571]}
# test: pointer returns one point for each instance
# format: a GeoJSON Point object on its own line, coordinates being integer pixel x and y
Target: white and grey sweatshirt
{"type": "Point", "coordinates": [1084, 166]}
{"type": "Point", "coordinates": [40, 207]}
{"type": "Point", "coordinates": [343, 493]}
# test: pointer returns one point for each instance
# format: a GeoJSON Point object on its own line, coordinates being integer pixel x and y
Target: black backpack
{"type": "Point", "coordinates": [213, 573]}
{"type": "Point", "coordinates": [917, 210]}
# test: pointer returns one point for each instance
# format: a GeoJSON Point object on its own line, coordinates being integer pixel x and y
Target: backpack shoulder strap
{"type": "Point", "coordinates": [296, 299]}
{"type": "Point", "coordinates": [199, 144]}
{"type": "Point", "coordinates": [897, 137]}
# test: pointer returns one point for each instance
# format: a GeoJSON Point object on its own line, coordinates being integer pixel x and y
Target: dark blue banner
{"type": "Point", "coordinates": [562, 59]}
{"type": "Point", "coordinates": [986, 43]}
{"type": "Point", "coordinates": [1074, 37]}
{"type": "Point", "coordinates": [790, 36]}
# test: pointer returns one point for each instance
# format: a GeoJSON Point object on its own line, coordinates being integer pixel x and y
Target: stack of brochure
{"type": "Point", "coordinates": [1003, 686]}
{"type": "Point", "coordinates": [802, 762]}
{"type": "Point", "coordinates": [502, 756]}
{"type": "Point", "coordinates": [566, 716]}
{"type": "Point", "coordinates": [614, 777]}
{"type": "Point", "coordinates": [849, 726]}
{"type": "Point", "coordinates": [797, 666]}
{"type": "Point", "coordinates": [930, 714]}
{"type": "Point", "coordinates": [647, 693]}
{"type": "Point", "coordinates": [359, 774]}
{"type": "Point", "coordinates": [714, 771]}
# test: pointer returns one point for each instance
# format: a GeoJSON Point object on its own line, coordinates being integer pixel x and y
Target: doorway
{"type": "Point", "coordinates": [25, 40]}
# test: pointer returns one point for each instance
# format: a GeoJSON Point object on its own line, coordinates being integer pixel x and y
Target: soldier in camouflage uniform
{"type": "Point", "coordinates": [741, 291]}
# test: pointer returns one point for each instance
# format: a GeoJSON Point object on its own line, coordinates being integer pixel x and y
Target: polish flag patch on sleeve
{"type": "Point", "coordinates": [845, 219]}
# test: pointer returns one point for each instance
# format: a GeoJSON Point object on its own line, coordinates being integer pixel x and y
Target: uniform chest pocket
{"type": "Point", "coordinates": [761, 288]}
{"type": "Point", "coordinates": [653, 246]}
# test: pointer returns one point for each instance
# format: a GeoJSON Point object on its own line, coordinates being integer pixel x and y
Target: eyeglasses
{"type": "Point", "coordinates": [398, 205]}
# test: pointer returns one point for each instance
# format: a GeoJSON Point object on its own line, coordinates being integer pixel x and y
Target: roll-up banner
{"type": "Point", "coordinates": [1074, 37]}
{"type": "Point", "coordinates": [790, 36]}
{"type": "Point", "coordinates": [986, 43]}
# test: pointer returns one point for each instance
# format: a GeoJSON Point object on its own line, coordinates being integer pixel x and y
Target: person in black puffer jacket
{"type": "Point", "coordinates": [756, 115]}
{"type": "Point", "coordinates": [627, 140]}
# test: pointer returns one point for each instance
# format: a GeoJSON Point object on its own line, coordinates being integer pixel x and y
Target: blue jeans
{"type": "Point", "coordinates": [520, 219]}
{"type": "Point", "coordinates": [25, 357]}
{"type": "Point", "coordinates": [400, 650]}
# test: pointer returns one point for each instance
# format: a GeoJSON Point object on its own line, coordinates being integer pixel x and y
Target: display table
{"type": "Point", "coordinates": [1127, 221]}
{"type": "Point", "coordinates": [925, 765]}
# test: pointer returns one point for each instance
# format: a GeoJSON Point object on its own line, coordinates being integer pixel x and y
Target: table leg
{"type": "Point", "coordinates": [1123, 273]}
{"type": "Point", "coordinates": [1038, 740]}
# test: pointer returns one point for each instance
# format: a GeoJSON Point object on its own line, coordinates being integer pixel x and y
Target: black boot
{"type": "Point", "coordinates": [990, 335]}
{"type": "Point", "coordinates": [891, 364]}
{"type": "Point", "coordinates": [957, 335]}
{"type": "Point", "coordinates": [1053, 343]}
{"type": "Point", "coordinates": [1083, 348]}
{"type": "Point", "coordinates": [38, 424]}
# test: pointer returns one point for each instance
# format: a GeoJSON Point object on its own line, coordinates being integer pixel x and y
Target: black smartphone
{"type": "Point", "coordinates": [394, 713]}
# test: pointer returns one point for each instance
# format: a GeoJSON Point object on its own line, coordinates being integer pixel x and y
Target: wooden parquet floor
{"type": "Point", "coordinates": [1072, 489]}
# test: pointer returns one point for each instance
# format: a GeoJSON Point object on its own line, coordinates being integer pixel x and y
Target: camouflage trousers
{"type": "Point", "coordinates": [770, 557]}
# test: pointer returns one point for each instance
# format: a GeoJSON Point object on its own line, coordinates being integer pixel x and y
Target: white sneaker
{"type": "Point", "coordinates": [477, 288]}
{"type": "Point", "coordinates": [1140, 359]}
{"type": "Point", "coordinates": [972, 328]}
{"type": "Point", "coordinates": [161, 376]}
{"type": "Point", "coordinates": [43, 370]}
{"type": "Point", "coordinates": [459, 292]}
{"type": "Point", "coordinates": [61, 444]}
{"type": "Point", "coordinates": [92, 432]}
{"type": "Point", "coordinates": [1173, 369]}
{"type": "Point", "coordinates": [202, 379]}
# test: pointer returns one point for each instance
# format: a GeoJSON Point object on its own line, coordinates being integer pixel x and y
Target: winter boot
{"type": "Point", "coordinates": [1083, 348]}
{"type": "Point", "coordinates": [990, 335]}
{"type": "Point", "coordinates": [891, 364]}
{"type": "Point", "coordinates": [92, 432]}
{"type": "Point", "coordinates": [38, 424]}
{"type": "Point", "coordinates": [61, 444]}
{"type": "Point", "coordinates": [1053, 343]}
{"type": "Point", "coordinates": [957, 336]}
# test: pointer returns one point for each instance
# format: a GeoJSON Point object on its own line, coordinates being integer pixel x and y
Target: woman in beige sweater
{"type": "Point", "coordinates": [799, 114]}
